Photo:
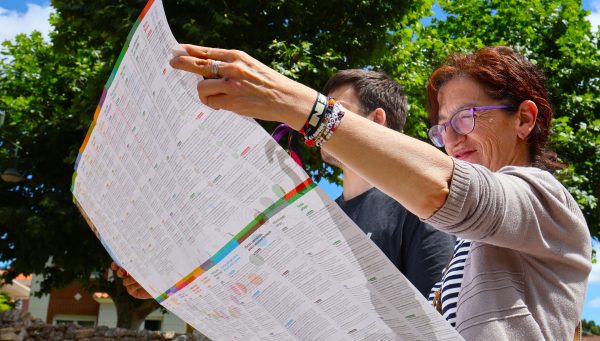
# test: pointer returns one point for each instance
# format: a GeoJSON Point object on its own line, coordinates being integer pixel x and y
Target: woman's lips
{"type": "Point", "coordinates": [463, 154]}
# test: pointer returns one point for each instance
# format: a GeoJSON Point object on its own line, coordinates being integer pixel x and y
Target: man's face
{"type": "Point", "coordinates": [347, 97]}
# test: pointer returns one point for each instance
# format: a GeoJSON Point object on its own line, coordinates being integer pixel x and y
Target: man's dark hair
{"type": "Point", "coordinates": [374, 90]}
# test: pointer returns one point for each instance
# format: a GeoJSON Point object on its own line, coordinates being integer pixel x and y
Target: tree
{"type": "Point", "coordinates": [553, 34]}
{"type": "Point", "coordinates": [49, 92]}
{"type": "Point", "coordinates": [589, 328]}
{"type": "Point", "coordinates": [306, 40]}
{"type": "Point", "coordinates": [41, 93]}
{"type": "Point", "coordinates": [5, 301]}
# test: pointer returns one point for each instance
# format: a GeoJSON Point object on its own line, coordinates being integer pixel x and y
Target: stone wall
{"type": "Point", "coordinates": [17, 326]}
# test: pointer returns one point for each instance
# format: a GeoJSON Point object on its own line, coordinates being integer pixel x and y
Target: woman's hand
{"type": "Point", "coordinates": [133, 287]}
{"type": "Point", "coordinates": [242, 84]}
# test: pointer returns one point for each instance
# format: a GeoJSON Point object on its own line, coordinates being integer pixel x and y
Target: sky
{"type": "Point", "coordinates": [17, 16]}
{"type": "Point", "coordinates": [22, 16]}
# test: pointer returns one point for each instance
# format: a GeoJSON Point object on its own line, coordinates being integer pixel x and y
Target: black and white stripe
{"type": "Point", "coordinates": [451, 280]}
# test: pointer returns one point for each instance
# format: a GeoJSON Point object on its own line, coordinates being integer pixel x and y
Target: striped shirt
{"type": "Point", "coordinates": [452, 280]}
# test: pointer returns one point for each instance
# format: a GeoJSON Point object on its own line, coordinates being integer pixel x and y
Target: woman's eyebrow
{"type": "Point", "coordinates": [460, 108]}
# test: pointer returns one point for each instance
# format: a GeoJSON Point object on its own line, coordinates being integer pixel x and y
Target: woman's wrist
{"type": "Point", "coordinates": [315, 116]}
{"type": "Point", "coordinates": [300, 107]}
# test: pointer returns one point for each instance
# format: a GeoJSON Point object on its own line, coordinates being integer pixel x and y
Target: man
{"type": "Point", "coordinates": [418, 250]}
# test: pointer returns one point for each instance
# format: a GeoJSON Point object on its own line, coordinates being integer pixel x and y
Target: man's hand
{"type": "Point", "coordinates": [133, 287]}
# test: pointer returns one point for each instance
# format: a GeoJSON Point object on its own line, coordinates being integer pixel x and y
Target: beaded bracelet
{"type": "Point", "coordinates": [332, 125]}
{"type": "Point", "coordinates": [319, 129]}
{"type": "Point", "coordinates": [332, 116]}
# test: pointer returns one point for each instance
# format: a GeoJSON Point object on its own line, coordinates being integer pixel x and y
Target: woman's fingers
{"type": "Point", "coordinates": [237, 82]}
{"type": "Point", "coordinates": [210, 53]}
{"type": "Point", "coordinates": [214, 87]}
{"type": "Point", "coordinates": [218, 63]}
{"type": "Point", "coordinates": [210, 68]}
{"type": "Point", "coordinates": [139, 293]}
{"type": "Point", "coordinates": [119, 271]}
{"type": "Point", "coordinates": [228, 94]}
{"type": "Point", "coordinates": [129, 281]}
{"type": "Point", "coordinates": [195, 65]}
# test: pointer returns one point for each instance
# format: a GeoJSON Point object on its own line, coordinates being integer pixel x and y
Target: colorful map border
{"type": "Point", "coordinates": [254, 225]}
{"type": "Point", "coordinates": [105, 90]}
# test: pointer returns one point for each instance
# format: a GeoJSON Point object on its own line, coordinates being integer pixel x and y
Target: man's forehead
{"type": "Point", "coordinates": [346, 95]}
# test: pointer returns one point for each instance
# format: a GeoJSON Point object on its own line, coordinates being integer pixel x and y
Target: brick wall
{"type": "Point", "coordinates": [18, 326]}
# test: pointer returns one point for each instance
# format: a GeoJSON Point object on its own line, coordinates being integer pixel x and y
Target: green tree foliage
{"type": "Point", "coordinates": [589, 328]}
{"type": "Point", "coordinates": [553, 34]}
{"type": "Point", "coordinates": [306, 40]}
{"type": "Point", "coordinates": [45, 98]}
{"type": "Point", "coordinates": [299, 34]}
{"type": "Point", "coordinates": [39, 93]}
{"type": "Point", "coordinates": [5, 302]}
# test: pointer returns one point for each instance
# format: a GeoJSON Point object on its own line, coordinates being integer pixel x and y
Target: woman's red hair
{"type": "Point", "coordinates": [505, 76]}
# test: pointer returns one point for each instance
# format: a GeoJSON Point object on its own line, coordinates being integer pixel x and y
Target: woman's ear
{"type": "Point", "coordinates": [526, 117]}
{"type": "Point", "coordinates": [378, 116]}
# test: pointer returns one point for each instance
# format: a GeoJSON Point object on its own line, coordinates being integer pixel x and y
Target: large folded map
{"type": "Point", "coordinates": [220, 225]}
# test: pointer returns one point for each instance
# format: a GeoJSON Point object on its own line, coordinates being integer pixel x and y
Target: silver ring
{"type": "Point", "coordinates": [214, 68]}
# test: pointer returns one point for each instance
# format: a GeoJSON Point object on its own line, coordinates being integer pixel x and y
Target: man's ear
{"type": "Point", "coordinates": [526, 117]}
{"type": "Point", "coordinates": [378, 116]}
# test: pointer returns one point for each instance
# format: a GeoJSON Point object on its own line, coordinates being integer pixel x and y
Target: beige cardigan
{"type": "Point", "coordinates": [527, 271]}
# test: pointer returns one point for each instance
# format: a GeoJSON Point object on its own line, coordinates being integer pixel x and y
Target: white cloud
{"type": "Point", "coordinates": [13, 22]}
{"type": "Point", "coordinates": [595, 274]}
{"type": "Point", "coordinates": [594, 16]}
{"type": "Point", "coordinates": [595, 303]}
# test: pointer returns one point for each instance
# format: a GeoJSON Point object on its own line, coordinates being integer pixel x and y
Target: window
{"type": "Point", "coordinates": [152, 324]}
{"type": "Point", "coordinates": [83, 321]}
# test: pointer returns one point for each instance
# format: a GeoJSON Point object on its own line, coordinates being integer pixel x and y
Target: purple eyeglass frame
{"type": "Point", "coordinates": [449, 122]}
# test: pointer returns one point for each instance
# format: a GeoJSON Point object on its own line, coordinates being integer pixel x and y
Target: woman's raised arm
{"type": "Point", "coordinates": [411, 171]}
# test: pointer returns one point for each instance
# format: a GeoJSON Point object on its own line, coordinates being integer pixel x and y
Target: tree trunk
{"type": "Point", "coordinates": [131, 312]}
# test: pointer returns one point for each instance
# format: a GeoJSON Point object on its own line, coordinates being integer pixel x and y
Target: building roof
{"type": "Point", "coordinates": [19, 289]}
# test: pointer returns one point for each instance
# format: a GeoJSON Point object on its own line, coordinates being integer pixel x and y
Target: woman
{"type": "Point", "coordinates": [526, 272]}
{"type": "Point", "coordinates": [505, 82]}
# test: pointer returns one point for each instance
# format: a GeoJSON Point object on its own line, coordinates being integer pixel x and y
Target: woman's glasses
{"type": "Point", "coordinates": [463, 123]}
